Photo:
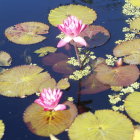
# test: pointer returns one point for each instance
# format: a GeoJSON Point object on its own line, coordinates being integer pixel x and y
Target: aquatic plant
{"type": "Point", "coordinates": [27, 32]}
{"type": "Point", "coordinates": [136, 132]}
{"type": "Point", "coordinates": [103, 124]}
{"type": "Point", "coordinates": [71, 27]}
{"type": "Point", "coordinates": [2, 129]}
{"type": "Point", "coordinates": [49, 100]}
{"type": "Point", "coordinates": [44, 123]}
{"type": "Point", "coordinates": [132, 105]}
{"type": "Point", "coordinates": [83, 13]}
{"type": "Point", "coordinates": [22, 80]}
{"type": "Point", "coordinates": [5, 58]}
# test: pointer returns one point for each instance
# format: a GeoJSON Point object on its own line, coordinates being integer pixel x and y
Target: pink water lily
{"type": "Point", "coordinates": [49, 100]}
{"type": "Point", "coordinates": [72, 27]}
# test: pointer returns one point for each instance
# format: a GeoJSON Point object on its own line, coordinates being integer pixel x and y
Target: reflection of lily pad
{"type": "Point", "coordinates": [130, 50]}
{"type": "Point", "coordinates": [27, 32]}
{"type": "Point", "coordinates": [44, 123]}
{"type": "Point", "coordinates": [22, 80]}
{"type": "Point", "coordinates": [5, 59]}
{"type": "Point", "coordinates": [51, 83]}
{"type": "Point", "coordinates": [45, 50]}
{"type": "Point", "coordinates": [92, 85]}
{"type": "Point", "coordinates": [2, 128]}
{"type": "Point", "coordinates": [103, 125]}
{"type": "Point", "coordinates": [117, 76]}
{"type": "Point", "coordinates": [83, 13]}
{"type": "Point", "coordinates": [132, 106]}
{"type": "Point", "coordinates": [51, 59]}
{"type": "Point", "coordinates": [95, 35]}
{"type": "Point", "coordinates": [63, 67]}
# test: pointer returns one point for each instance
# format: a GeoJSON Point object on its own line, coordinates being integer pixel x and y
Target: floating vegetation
{"type": "Point", "coordinates": [5, 59]}
{"type": "Point", "coordinates": [117, 76]}
{"type": "Point", "coordinates": [132, 106]}
{"type": "Point", "coordinates": [51, 83]}
{"type": "Point", "coordinates": [92, 86]}
{"type": "Point", "coordinates": [45, 50]}
{"type": "Point", "coordinates": [130, 50]}
{"type": "Point", "coordinates": [104, 124]}
{"type": "Point", "coordinates": [22, 80]}
{"type": "Point", "coordinates": [44, 123]}
{"type": "Point", "coordinates": [27, 32]}
{"type": "Point", "coordinates": [110, 60]}
{"type": "Point", "coordinates": [136, 133]}
{"type": "Point", "coordinates": [95, 35]}
{"type": "Point", "coordinates": [2, 129]}
{"type": "Point", "coordinates": [52, 137]}
{"type": "Point", "coordinates": [135, 2]}
{"type": "Point", "coordinates": [58, 15]}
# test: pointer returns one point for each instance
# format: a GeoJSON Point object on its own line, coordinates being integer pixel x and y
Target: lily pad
{"type": "Point", "coordinates": [102, 125]}
{"type": "Point", "coordinates": [58, 15]}
{"type": "Point", "coordinates": [136, 132]}
{"type": "Point", "coordinates": [117, 76]}
{"type": "Point", "coordinates": [132, 106]}
{"type": "Point", "coordinates": [95, 35]}
{"type": "Point", "coordinates": [44, 123]}
{"type": "Point", "coordinates": [45, 50]}
{"type": "Point", "coordinates": [92, 86]}
{"type": "Point", "coordinates": [5, 59]}
{"type": "Point", "coordinates": [2, 129]}
{"type": "Point", "coordinates": [54, 58]}
{"type": "Point", "coordinates": [27, 32]}
{"type": "Point", "coordinates": [22, 80]}
{"type": "Point", "coordinates": [130, 50]}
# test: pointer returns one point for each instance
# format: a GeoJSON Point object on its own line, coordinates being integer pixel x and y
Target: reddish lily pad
{"type": "Point", "coordinates": [54, 58]}
{"type": "Point", "coordinates": [92, 85]}
{"type": "Point", "coordinates": [63, 67]}
{"type": "Point", "coordinates": [117, 76]}
{"type": "Point", "coordinates": [130, 50]}
{"type": "Point", "coordinates": [27, 32]}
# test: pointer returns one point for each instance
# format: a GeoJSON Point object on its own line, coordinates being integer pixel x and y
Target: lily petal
{"type": "Point", "coordinates": [64, 41]}
{"type": "Point", "coordinates": [80, 40]}
{"type": "Point", "coordinates": [60, 107]}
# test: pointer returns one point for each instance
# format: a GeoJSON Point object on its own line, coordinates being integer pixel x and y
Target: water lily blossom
{"type": "Point", "coordinates": [49, 100]}
{"type": "Point", "coordinates": [72, 27]}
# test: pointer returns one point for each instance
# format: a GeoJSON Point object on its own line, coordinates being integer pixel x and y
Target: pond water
{"type": "Point", "coordinates": [12, 12]}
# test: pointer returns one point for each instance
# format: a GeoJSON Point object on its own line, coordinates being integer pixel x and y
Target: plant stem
{"type": "Point", "coordinates": [77, 54]}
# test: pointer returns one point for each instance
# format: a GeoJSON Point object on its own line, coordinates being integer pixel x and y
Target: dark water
{"type": "Point", "coordinates": [17, 11]}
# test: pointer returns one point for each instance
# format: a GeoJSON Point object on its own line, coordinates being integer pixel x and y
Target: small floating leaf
{"type": "Point", "coordinates": [5, 59]}
{"type": "Point", "coordinates": [58, 15]}
{"type": "Point", "coordinates": [27, 32]}
{"type": "Point", "coordinates": [63, 84]}
{"type": "Point", "coordinates": [103, 125]}
{"type": "Point", "coordinates": [44, 123]}
{"type": "Point", "coordinates": [45, 50]}
{"type": "Point", "coordinates": [132, 106]}
{"type": "Point", "coordinates": [117, 76]}
{"type": "Point", "coordinates": [52, 137]}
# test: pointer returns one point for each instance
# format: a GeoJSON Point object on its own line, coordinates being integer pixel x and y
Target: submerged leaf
{"type": "Point", "coordinates": [22, 80]}
{"type": "Point", "coordinates": [27, 32]}
{"type": "Point", "coordinates": [132, 106]}
{"type": "Point", "coordinates": [117, 76]}
{"type": "Point", "coordinates": [54, 58]}
{"type": "Point", "coordinates": [45, 50]}
{"type": "Point", "coordinates": [58, 15]}
{"type": "Point", "coordinates": [103, 125]}
{"type": "Point", "coordinates": [44, 123]}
